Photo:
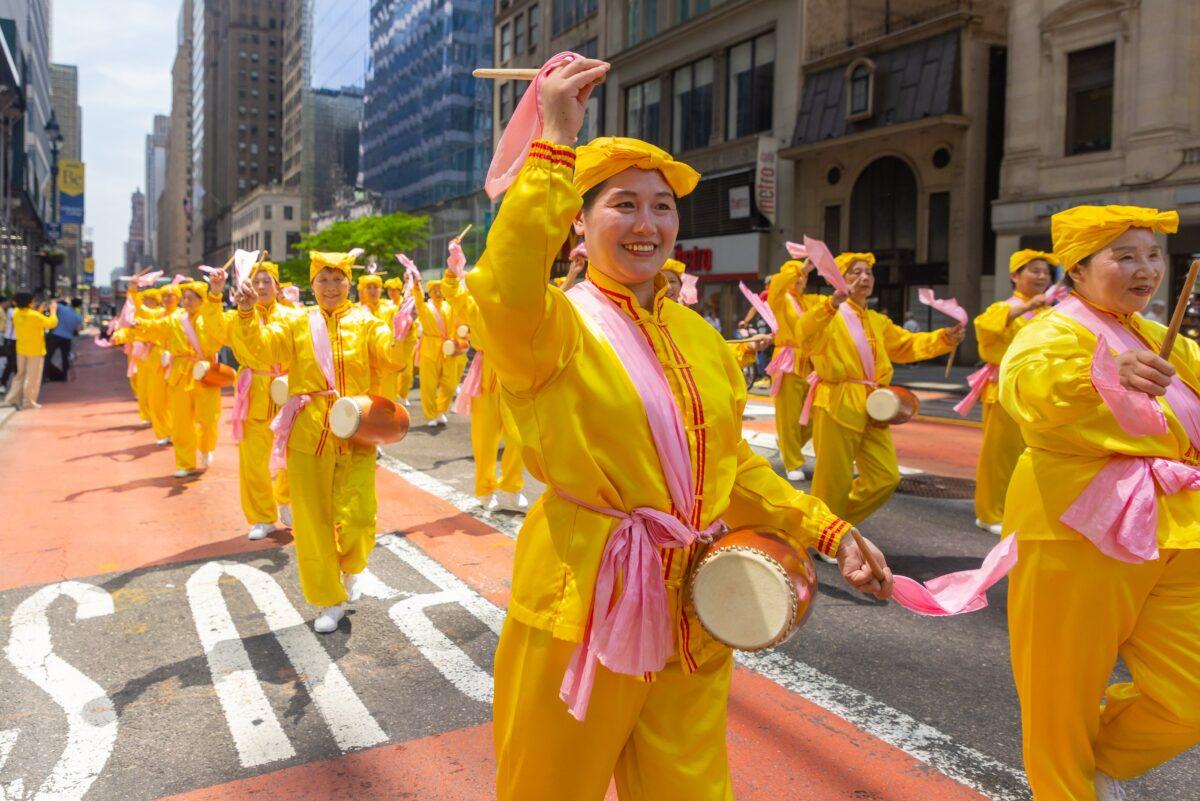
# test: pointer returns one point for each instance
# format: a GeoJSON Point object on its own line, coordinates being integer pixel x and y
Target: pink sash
{"type": "Point", "coordinates": [866, 358]}
{"type": "Point", "coordinates": [283, 422]}
{"type": "Point", "coordinates": [471, 387]}
{"type": "Point", "coordinates": [189, 328]}
{"type": "Point", "coordinates": [437, 315]}
{"type": "Point", "coordinates": [241, 399]}
{"type": "Point", "coordinates": [988, 374]}
{"type": "Point", "coordinates": [402, 322]}
{"type": "Point", "coordinates": [632, 635]}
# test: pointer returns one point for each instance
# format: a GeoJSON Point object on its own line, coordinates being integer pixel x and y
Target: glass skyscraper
{"type": "Point", "coordinates": [427, 124]}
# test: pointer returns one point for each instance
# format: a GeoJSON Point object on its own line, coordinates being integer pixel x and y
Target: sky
{"type": "Point", "coordinates": [124, 50]}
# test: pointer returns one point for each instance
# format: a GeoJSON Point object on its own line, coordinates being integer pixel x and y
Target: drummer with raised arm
{"type": "Point", "coordinates": [1105, 505]}
{"type": "Point", "coordinates": [630, 410]}
{"type": "Point", "coordinates": [852, 350]}
{"type": "Point", "coordinates": [327, 350]}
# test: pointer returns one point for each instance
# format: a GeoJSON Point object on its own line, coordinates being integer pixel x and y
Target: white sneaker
{"type": "Point", "coordinates": [208, 458]}
{"type": "Point", "coordinates": [260, 530]}
{"type": "Point", "coordinates": [492, 504]}
{"type": "Point", "coordinates": [513, 502]}
{"type": "Point", "coordinates": [285, 514]}
{"type": "Point", "coordinates": [832, 560]}
{"type": "Point", "coordinates": [797, 475]}
{"type": "Point", "coordinates": [353, 591]}
{"type": "Point", "coordinates": [442, 420]}
{"type": "Point", "coordinates": [1108, 788]}
{"type": "Point", "coordinates": [163, 441]}
{"type": "Point", "coordinates": [145, 424]}
{"type": "Point", "coordinates": [328, 619]}
{"type": "Point", "coordinates": [182, 473]}
{"type": "Point", "coordinates": [995, 528]}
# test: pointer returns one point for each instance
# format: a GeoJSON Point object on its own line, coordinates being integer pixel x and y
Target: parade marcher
{"type": "Point", "coordinates": [789, 368]}
{"type": "Point", "coordinates": [398, 292]}
{"type": "Point", "coordinates": [193, 333]}
{"type": "Point", "coordinates": [639, 460]}
{"type": "Point", "coordinates": [151, 374]}
{"type": "Point", "coordinates": [265, 497]}
{"type": "Point", "coordinates": [438, 378]}
{"type": "Point", "coordinates": [994, 330]}
{"type": "Point", "coordinates": [1108, 522]}
{"type": "Point", "coordinates": [370, 297]}
{"type": "Point", "coordinates": [30, 326]}
{"type": "Point", "coordinates": [328, 351]}
{"type": "Point", "coordinates": [852, 350]}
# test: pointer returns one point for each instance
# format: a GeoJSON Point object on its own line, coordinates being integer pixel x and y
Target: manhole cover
{"type": "Point", "coordinates": [925, 485]}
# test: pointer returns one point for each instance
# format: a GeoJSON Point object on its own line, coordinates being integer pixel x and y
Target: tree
{"type": "Point", "coordinates": [381, 237]}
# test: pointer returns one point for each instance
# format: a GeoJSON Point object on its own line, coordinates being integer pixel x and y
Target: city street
{"type": "Point", "coordinates": [152, 651]}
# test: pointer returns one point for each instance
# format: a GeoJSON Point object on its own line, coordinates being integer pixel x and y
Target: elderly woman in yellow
{"type": "Point", "coordinates": [264, 499]}
{"type": "Point", "coordinates": [629, 409]}
{"type": "Point", "coordinates": [193, 333]}
{"type": "Point", "coordinates": [370, 297]}
{"type": "Point", "coordinates": [439, 376]}
{"type": "Point", "coordinates": [995, 329]}
{"type": "Point", "coordinates": [1108, 518]}
{"type": "Point", "coordinates": [30, 326]}
{"type": "Point", "coordinates": [852, 350]}
{"type": "Point", "coordinates": [789, 368]}
{"type": "Point", "coordinates": [328, 351]}
{"type": "Point", "coordinates": [151, 376]}
{"type": "Point", "coordinates": [404, 379]}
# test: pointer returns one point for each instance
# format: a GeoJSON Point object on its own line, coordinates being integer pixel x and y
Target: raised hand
{"type": "Point", "coordinates": [956, 333]}
{"type": "Point", "coordinates": [564, 97]}
{"type": "Point", "coordinates": [244, 296]}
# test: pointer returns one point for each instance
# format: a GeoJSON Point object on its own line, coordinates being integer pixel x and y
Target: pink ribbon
{"type": "Point", "coordinates": [140, 350]}
{"type": "Point", "coordinates": [291, 294]}
{"type": "Point", "coordinates": [760, 306]}
{"type": "Point", "coordinates": [283, 422]}
{"type": "Point", "coordinates": [961, 592]}
{"type": "Point", "coordinates": [816, 252]}
{"type": "Point", "coordinates": [781, 364]}
{"type": "Point", "coordinates": [179, 278]}
{"type": "Point", "coordinates": [402, 322]}
{"type": "Point", "coordinates": [578, 252]}
{"type": "Point", "coordinates": [241, 403]}
{"type": "Point", "coordinates": [456, 262]}
{"type": "Point", "coordinates": [100, 342]}
{"type": "Point", "coordinates": [1056, 293]}
{"type": "Point", "coordinates": [978, 381]}
{"type": "Point", "coordinates": [866, 357]}
{"type": "Point", "coordinates": [689, 295]}
{"type": "Point", "coordinates": [947, 306]}
{"type": "Point", "coordinates": [796, 251]}
{"type": "Point", "coordinates": [243, 263]}
{"type": "Point", "coordinates": [471, 387]}
{"type": "Point", "coordinates": [189, 328]}
{"type": "Point", "coordinates": [149, 279]}
{"type": "Point", "coordinates": [523, 127]}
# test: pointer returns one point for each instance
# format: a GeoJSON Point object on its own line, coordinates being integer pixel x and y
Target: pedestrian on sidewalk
{"type": "Point", "coordinates": [1108, 522]}
{"type": "Point", "coordinates": [8, 341]}
{"type": "Point", "coordinates": [30, 326]}
{"type": "Point", "coordinates": [60, 338]}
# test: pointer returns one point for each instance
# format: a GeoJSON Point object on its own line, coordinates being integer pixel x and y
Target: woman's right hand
{"type": "Point", "coordinates": [1144, 371]}
{"type": "Point", "coordinates": [245, 297]}
{"type": "Point", "coordinates": [564, 97]}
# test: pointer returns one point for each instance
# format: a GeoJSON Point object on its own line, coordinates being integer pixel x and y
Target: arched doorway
{"type": "Point", "coordinates": [883, 220]}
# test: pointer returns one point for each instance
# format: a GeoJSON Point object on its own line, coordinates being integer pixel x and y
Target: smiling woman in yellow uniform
{"type": "Point", "coordinates": [852, 350]}
{"type": "Point", "coordinates": [196, 331]}
{"type": "Point", "coordinates": [1108, 518]}
{"type": "Point", "coordinates": [995, 329]}
{"type": "Point", "coordinates": [332, 480]}
{"type": "Point", "coordinates": [439, 378]}
{"type": "Point", "coordinates": [786, 299]}
{"type": "Point", "coordinates": [588, 435]}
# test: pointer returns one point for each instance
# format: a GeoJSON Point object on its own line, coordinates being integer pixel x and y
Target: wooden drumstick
{"type": "Point", "coordinates": [867, 557]}
{"type": "Point", "coordinates": [506, 74]}
{"type": "Point", "coordinates": [1180, 307]}
{"type": "Point", "coordinates": [950, 361]}
{"type": "Point", "coordinates": [459, 238]}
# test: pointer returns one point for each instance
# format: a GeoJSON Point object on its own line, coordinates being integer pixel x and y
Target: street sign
{"type": "Point", "coordinates": [54, 230]}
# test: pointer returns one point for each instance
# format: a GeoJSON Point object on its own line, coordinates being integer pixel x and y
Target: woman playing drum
{"type": "Point", "coordinates": [790, 367]}
{"type": "Point", "coordinates": [1105, 507]}
{"type": "Point", "coordinates": [640, 463]}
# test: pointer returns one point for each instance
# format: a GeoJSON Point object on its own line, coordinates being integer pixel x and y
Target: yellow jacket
{"type": "Point", "coordinates": [827, 341]}
{"type": "Point", "coordinates": [261, 407]}
{"type": "Point", "coordinates": [995, 333]}
{"type": "Point", "coordinates": [167, 332]}
{"type": "Point", "coordinates": [432, 335]}
{"type": "Point", "coordinates": [30, 326]}
{"type": "Point", "coordinates": [789, 333]}
{"type": "Point", "coordinates": [1046, 386]}
{"type": "Point", "coordinates": [583, 427]}
{"type": "Point", "coordinates": [358, 340]}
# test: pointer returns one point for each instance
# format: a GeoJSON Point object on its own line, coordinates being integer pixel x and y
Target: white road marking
{"type": "Point", "coordinates": [768, 441]}
{"type": "Point", "coordinates": [91, 716]}
{"type": "Point", "coordinates": [504, 523]}
{"type": "Point", "coordinates": [760, 410]}
{"type": "Point", "coordinates": [15, 789]}
{"type": "Point", "coordinates": [257, 733]}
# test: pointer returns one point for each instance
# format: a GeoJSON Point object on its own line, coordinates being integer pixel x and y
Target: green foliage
{"type": "Point", "coordinates": [381, 237]}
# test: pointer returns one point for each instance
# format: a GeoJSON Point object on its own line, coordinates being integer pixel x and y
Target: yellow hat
{"type": "Point", "coordinates": [393, 283]}
{"type": "Point", "coordinates": [1085, 230]}
{"type": "Point", "coordinates": [604, 157]}
{"type": "Point", "coordinates": [674, 266]}
{"type": "Point", "coordinates": [559, 281]}
{"type": "Point", "coordinates": [199, 287]}
{"type": "Point", "coordinates": [369, 280]}
{"type": "Point", "coordinates": [169, 290]}
{"type": "Point", "coordinates": [1022, 257]}
{"type": "Point", "coordinates": [266, 266]}
{"type": "Point", "coordinates": [342, 262]}
{"type": "Point", "coordinates": [151, 294]}
{"type": "Point", "coordinates": [844, 260]}
{"type": "Point", "coordinates": [432, 285]}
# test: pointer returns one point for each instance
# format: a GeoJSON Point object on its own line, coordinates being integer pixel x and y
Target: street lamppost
{"type": "Point", "coordinates": [55, 137]}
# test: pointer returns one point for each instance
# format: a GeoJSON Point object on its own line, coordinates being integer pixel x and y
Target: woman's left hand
{"type": "Point", "coordinates": [956, 333]}
{"type": "Point", "coordinates": [858, 574]}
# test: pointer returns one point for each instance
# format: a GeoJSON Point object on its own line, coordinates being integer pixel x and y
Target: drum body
{"type": "Point", "coordinates": [279, 390]}
{"type": "Point", "coordinates": [752, 590]}
{"type": "Point", "coordinates": [368, 420]}
{"type": "Point", "coordinates": [214, 374]}
{"type": "Point", "coordinates": [449, 347]}
{"type": "Point", "coordinates": [891, 406]}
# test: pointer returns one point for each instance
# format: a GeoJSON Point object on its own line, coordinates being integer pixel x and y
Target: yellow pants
{"type": "Point", "coordinates": [152, 386]}
{"type": "Point", "coordinates": [143, 401]}
{"type": "Point", "coordinates": [491, 420]}
{"type": "Point", "coordinates": [839, 450]}
{"type": "Point", "coordinates": [1071, 612]}
{"type": "Point", "coordinates": [662, 740]}
{"type": "Point", "coordinates": [261, 495]}
{"type": "Point", "coordinates": [438, 381]}
{"type": "Point", "coordinates": [195, 413]}
{"type": "Point", "coordinates": [404, 383]}
{"type": "Point", "coordinates": [789, 403]}
{"type": "Point", "coordinates": [1002, 446]}
{"type": "Point", "coordinates": [333, 518]}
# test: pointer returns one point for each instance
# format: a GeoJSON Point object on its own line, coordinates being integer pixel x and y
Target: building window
{"type": "Point", "coordinates": [566, 14]}
{"type": "Point", "coordinates": [642, 103]}
{"type": "Point", "coordinates": [751, 86]}
{"type": "Point", "coordinates": [535, 26]}
{"type": "Point", "coordinates": [686, 9]}
{"type": "Point", "coordinates": [267, 240]}
{"type": "Point", "coordinates": [267, 211]}
{"type": "Point", "coordinates": [505, 42]}
{"type": "Point", "coordinates": [506, 101]}
{"type": "Point", "coordinates": [860, 90]}
{"type": "Point", "coordinates": [519, 34]}
{"type": "Point", "coordinates": [692, 122]}
{"type": "Point", "coordinates": [287, 212]}
{"type": "Point", "coordinates": [641, 20]}
{"type": "Point", "coordinates": [833, 228]}
{"type": "Point", "coordinates": [939, 227]}
{"type": "Point", "coordinates": [1090, 99]}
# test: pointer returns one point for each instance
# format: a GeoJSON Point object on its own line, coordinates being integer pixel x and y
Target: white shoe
{"type": "Point", "coordinates": [443, 420]}
{"type": "Point", "coordinates": [208, 458]}
{"type": "Point", "coordinates": [797, 475]}
{"type": "Point", "coordinates": [995, 528]}
{"type": "Point", "coordinates": [260, 530]}
{"type": "Point", "coordinates": [432, 423]}
{"type": "Point", "coordinates": [831, 560]}
{"type": "Point", "coordinates": [182, 473]}
{"type": "Point", "coordinates": [163, 441]}
{"type": "Point", "coordinates": [404, 402]}
{"type": "Point", "coordinates": [1108, 788]}
{"type": "Point", "coordinates": [492, 504]}
{"type": "Point", "coordinates": [328, 619]}
{"type": "Point", "coordinates": [353, 591]}
{"type": "Point", "coordinates": [145, 424]}
{"type": "Point", "coordinates": [285, 514]}
{"type": "Point", "coordinates": [513, 502]}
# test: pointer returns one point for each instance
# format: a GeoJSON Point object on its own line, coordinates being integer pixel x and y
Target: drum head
{"type": "Point", "coordinates": [199, 370]}
{"type": "Point", "coordinates": [448, 347]}
{"type": "Point", "coordinates": [344, 418]}
{"type": "Point", "coordinates": [462, 331]}
{"type": "Point", "coordinates": [883, 405]}
{"type": "Point", "coordinates": [743, 598]}
{"type": "Point", "coordinates": [279, 390]}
